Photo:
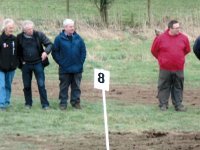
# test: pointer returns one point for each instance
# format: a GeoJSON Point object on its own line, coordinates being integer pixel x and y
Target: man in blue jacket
{"type": "Point", "coordinates": [69, 53]}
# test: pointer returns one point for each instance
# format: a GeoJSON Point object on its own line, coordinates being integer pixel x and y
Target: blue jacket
{"type": "Point", "coordinates": [69, 54]}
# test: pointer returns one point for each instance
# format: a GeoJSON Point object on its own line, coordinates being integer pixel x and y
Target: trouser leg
{"type": "Point", "coordinates": [177, 88]}
{"type": "Point", "coordinates": [65, 81]}
{"type": "Point", "coordinates": [8, 85]}
{"type": "Point", "coordinates": [164, 87]}
{"type": "Point", "coordinates": [40, 77]}
{"type": "Point", "coordinates": [2, 89]}
{"type": "Point", "coordinates": [75, 88]}
{"type": "Point", "coordinates": [27, 78]}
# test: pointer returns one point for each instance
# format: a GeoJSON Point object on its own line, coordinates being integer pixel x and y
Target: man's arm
{"type": "Point", "coordinates": [83, 52]}
{"type": "Point", "coordinates": [187, 49]}
{"type": "Point", "coordinates": [56, 51]}
{"type": "Point", "coordinates": [154, 48]}
{"type": "Point", "coordinates": [46, 42]}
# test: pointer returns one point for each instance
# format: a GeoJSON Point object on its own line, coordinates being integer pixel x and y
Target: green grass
{"type": "Point", "coordinates": [121, 117]}
{"type": "Point", "coordinates": [132, 63]}
{"type": "Point", "coordinates": [132, 12]}
{"type": "Point", "coordinates": [123, 59]}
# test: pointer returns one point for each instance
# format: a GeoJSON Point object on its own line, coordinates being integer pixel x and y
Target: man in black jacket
{"type": "Point", "coordinates": [8, 61]}
{"type": "Point", "coordinates": [33, 59]}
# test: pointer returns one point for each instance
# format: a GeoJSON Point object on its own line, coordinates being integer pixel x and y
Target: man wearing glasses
{"type": "Point", "coordinates": [170, 49]}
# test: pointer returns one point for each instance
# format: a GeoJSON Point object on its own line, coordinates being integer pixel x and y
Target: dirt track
{"type": "Point", "coordinates": [118, 141]}
{"type": "Point", "coordinates": [127, 94]}
{"type": "Point", "coordinates": [150, 140]}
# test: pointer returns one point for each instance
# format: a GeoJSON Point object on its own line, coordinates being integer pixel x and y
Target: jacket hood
{"type": "Point", "coordinates": [167, 33]}
{"type": "Point", "coordinates": [62, 34]}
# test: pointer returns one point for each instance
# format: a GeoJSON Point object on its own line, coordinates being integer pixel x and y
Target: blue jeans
{"type": "Point", "coordinates": [6, 79]}
{"type": "Point", "coordinates": [73, 80]}
{"type": "Point", "coordinates": [27, 72]}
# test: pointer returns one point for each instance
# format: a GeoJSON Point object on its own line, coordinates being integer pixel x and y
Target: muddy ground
{"type": "Point", "coordinates": [148, 140]}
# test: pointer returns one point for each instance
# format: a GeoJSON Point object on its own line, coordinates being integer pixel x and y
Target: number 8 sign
{"type": "Point", "coordinates": [101, 79]}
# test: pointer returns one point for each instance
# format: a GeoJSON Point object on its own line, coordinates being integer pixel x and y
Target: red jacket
{"type": "Point", "coordinates": [170, 51]}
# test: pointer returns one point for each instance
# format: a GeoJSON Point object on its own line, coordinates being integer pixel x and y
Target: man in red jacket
{"type": "Point", "coordinates": [170, 49]}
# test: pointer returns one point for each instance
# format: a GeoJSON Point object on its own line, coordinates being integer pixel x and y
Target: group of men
{"type": "Point", "coordinates": [29, 52]}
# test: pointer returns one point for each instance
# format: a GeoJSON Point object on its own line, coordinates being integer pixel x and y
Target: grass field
{"type": "Point", "coordinates": [124, 51]}
{"type": "Point", "coordinates": [122, 118]}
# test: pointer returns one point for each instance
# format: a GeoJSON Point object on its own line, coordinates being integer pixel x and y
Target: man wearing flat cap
{"type": "Point", "coordinates": [69, 53]}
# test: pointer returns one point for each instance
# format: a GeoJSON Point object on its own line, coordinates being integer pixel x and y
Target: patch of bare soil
{"type": "Point", "coordinates": [118, 141]}
{"type": "Point", "coordinates": [127, 94]}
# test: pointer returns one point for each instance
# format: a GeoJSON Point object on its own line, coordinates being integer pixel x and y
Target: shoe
{"type": "Point", "coordinates": [2, 108]}
{"type": "Point", "coordinates": [181, 108]}
{"type": "Point", "coordinates": [63, 107]}
{"type": "Point", "coordinates": [45, 108]}
{"type": "Point", "coordinates": [77, 106]}
{"type": "Point", "coordinates": [28, 106]}
{"type": "Point", "coordinates": [163, 108]}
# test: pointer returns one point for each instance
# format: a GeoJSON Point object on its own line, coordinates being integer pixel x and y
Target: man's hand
{"type": "Point", "coordinates": [44, 56]}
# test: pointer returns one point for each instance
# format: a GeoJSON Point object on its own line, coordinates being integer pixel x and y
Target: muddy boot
{"type": "Point", "coordinates": [181, 108]}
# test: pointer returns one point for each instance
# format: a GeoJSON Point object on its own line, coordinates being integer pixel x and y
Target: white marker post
{"type": "Point", "coordinates": [101, 81]}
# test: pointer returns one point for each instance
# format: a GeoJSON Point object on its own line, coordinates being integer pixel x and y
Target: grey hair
{"type": "Point", "coordinates": [26, 23]}
{"type": "Point", "coordinates": [67, 22]}
{"type": "Point", "coordinates": [6, 22]}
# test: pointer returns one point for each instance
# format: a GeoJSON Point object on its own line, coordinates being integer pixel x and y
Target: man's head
{"type": "Point", "coordinates": [8, 26]}
{"type": "Point", "coordinates": [28, 27]}
{"type": "Point", "coordinates": [174, 27]}
{"type": "Point", "coordinates": [68, 25]}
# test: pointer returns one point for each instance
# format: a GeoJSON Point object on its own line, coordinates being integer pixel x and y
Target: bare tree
{"type": "Point", "coordinates": [149, 11]}
{"type": "Point", "coordinates": [103, 6]}
{"type": "Point", "coordinates": [67, 5]}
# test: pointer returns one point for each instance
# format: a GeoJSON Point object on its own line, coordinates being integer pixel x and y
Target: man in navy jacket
{"type": "Point", "coordinates": [69, 53]}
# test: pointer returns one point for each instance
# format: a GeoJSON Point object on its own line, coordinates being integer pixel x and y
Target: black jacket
{"type": "Point", "coordinates": [41, 40]}
{"type": "Point", "coordinates": [8, 53]}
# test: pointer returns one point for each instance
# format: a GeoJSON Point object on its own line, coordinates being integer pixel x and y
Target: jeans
{"type": "Point", "coordinates": [6, 79]}
{"type": "Point", "coordinates": [27, 72]}
{"type": "Point", "coordinates": [170, 82]}
{"type": "Point", "coordinates": [73, 80]}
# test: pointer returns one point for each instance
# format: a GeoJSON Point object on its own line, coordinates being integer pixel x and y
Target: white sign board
{"type": "Point", "coordinates": [101, 79]}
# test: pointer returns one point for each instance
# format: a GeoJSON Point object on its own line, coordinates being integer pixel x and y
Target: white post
{"type": "Point", "coordinates": [102, 81]}
{"type": "Point", "coordinates": [105, 120]}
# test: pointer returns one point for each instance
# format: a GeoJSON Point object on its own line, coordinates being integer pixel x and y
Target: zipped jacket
{"type": "Point", "coordinates": [41, 40]}
{"type": "Point", "coordinates": [69, 53]}
{"type": "Point", "coordinates": [8, 53]}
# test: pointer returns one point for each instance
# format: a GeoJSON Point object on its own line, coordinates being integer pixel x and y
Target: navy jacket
{"type": "Point", "coordinates": [196, 47]}
{"type": "Point", "coordinates": [69, 54]}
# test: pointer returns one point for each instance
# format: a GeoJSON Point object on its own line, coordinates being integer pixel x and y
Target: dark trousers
{"type": "Point", "coordinates": [27, 72]}
{"type": "Point", "coordinates": [73, 80]}
{"type": "Point", "coordinates": [170, 82]}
